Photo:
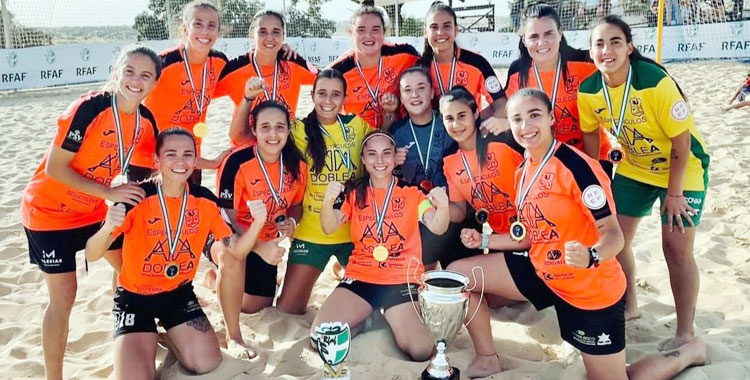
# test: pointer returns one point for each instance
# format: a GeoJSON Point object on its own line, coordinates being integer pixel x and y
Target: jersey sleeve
{"type": "Point", "coordinates": [593, 191]}
{"type": "Point", "coordinates": [586, 116]}
{"type": "Point", "coordinates": [239, 196]}
{"type": "Point", "coordinates": [219, 227]}
{"type": "Point", "coordinates": [511, 83]}
{"type": "Point", "coordinates": [299, 136]}
{"type": "Point", "coordinates": [74, 123]}
{"type": "Point", "coordinates": [299, 196]}
{"type": "Point", "coordinates": [127, 223]}
{"type": "Point", "coordinates": [674, 113]}
{"type": "Point", "coordinates": [453, 194]}
{"type": "Point", "coordinates": [491, 84]}
{"type": "Point", "coordinates": [348, 206]}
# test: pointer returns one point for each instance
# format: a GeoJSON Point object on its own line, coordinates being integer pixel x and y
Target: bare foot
{"type": "Point", "coordinates": [338, 271]}
{"type": "Point", "coordinates": [695, 349]}
{"type": "Point", "coordinates": [675, 342]}
{"type": "Point", "coordinates": [209, 279]}
{"type": "Point", "coordinates": [632, 313]}
{"type": "Point", "coordinates": [483, 366]}
{"type": "Point", "coordinates": [240, 350]}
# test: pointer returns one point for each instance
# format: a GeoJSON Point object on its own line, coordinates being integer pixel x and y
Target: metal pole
{"type": "Point", "coordinates": [170, 25]}
{"type": "Point", "coordinates": [396, 14]}
{"type": "Point", "coordinates": [6, 26]}
{"type": "Point", "coordinates": [659, 30]}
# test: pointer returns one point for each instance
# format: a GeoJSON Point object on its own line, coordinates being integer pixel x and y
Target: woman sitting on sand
{"type": "Point", "coordinates": [160, 243]}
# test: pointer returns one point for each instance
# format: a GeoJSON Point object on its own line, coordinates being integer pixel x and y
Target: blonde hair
{"type": "Point", "coordinates": [188, 13]}
{"type": "Point", "coordinates": [128, 51]}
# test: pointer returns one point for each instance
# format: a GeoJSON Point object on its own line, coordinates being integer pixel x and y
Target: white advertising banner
{"type": "Point", "coordinates": [85, 63]}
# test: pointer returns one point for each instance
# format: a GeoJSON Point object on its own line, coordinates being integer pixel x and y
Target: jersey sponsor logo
{"type": "Point", "coordinates": [679, 110]}
{"type": "Point", "coordinates": [531, 215]}
{"type": "Point", "coordinates": [554, 254]}
{"type": "Point", "coordinates": [50, 255]}
{"type": "Point", "coordinates": [370, 233]}
{"type": "Point", "coordinates": [594, 197]}
{"type": "Point", "coordinates": [636, 107]}
{"type": "Point", "coordinates": [153, 220]}
{"type": "Point", "coordinates": [12, 59]}
{"type": "Point", "coordinates": [254, 182]}
{"type": "Point", "coordinates": [599, 110]}
{"type": "Point", "coordinates": [226, 194]}
{"type": "Point", "coordinates": [49, 258]}
{"type": "Point", "coordinates": [492, 84]}
{"type": "Point", "coordinates": [75, 135]}
{"type": "Point", "coordinates": [108, 132]}
{"type": "Point", "coordinates": [580, 337]}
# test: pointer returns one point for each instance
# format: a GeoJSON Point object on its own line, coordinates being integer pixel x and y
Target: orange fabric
{"type": "Point", "coordinates": [145, 250]}
{"type": "Point", "coordinates": [87, 128]}
{"type": "Point", "coordinates": [554, 212]}
{"type": "Point", "coordinates": [495, 185]}
{"type": "Point", "coordinates": [400, 236]}
{"type": "Point", "coordinates": [472, 72]}
{"type": "Point", "coordinates": [250, 184]}
{"type": "Point", "coordinates": [567, 126]}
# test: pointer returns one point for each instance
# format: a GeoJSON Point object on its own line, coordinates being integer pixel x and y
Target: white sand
{"type": "Point", "coordinates": [528, 342]}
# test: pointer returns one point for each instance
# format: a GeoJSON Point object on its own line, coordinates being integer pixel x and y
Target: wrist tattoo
{"type": "Point", "coordinates": [673, 354]}
{"type": "Point", "coordinates": [225, 241]}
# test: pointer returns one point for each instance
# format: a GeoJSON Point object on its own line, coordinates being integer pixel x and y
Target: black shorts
{"type": "Point", "coordinates": [260, 276]}
{"type": "Point", "coordinates": [137, 313]}
{"type": "Point", "coordinates": [456, 249]}
{"type": "Point", "coordinates": [438, 247]}
{"type": "Point", "coordinates": [385, 296]}
{"type": "Point", "coordinates": [55, 251]}
{"type": "Point", "coordinates": [594, 332]}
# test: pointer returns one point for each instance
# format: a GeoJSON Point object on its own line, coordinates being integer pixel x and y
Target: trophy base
{"type": "Point", "coordinates": [456, 375]}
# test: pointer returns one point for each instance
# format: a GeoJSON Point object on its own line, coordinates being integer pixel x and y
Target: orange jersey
{"type": "Point", "coordinates": [87, 128]}
{"type": "Point", "coordinates": [396, 58]}
{"type": "Point", "coordinates": [291, 76]}
{"type": "Point", "coordinates": [471, 71]}
{"type": "Point", "coordinates": [571, 193]}
{"type": "Point", "coordinates": [494, 189]}
{"type": "Point", "coordinates": [145, 250]}
{"type": "Point", "coordinates": [567, 122]}
{"type": "Point", "coordinates": [400, 236]}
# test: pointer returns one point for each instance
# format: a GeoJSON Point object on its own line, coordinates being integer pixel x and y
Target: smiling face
{"type": "Point", "coordinates": [440, 30]}
{"type": "Point", "coordinates": [368, 34]}
{"type": "Point", "coordinates": [176, 159]}
{"type": "Point", "coordinates": [272, 131]}
{"type": "Point", "coordinates": [328, 97]}
{"type": "Point", "coordinates": [268, 35]}
{"type": "Point", "coordinates": [610, 50]}
{"type": "Point", "coordinates": [202, 29]}
{"type": "Point", "coordinates": [379, 157]}
{"type": "Point", "coordinates": [459, 121]}
{"type": "Point", "coordinates": [136, 77]}
{"type": "Point", "coordinates": [416, 93]}
{"type": "Point", "coordinates": [531, 122]}
{"type": "Point", "coordinates": [542, 37]}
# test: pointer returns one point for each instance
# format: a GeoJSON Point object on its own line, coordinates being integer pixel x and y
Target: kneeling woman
{"type": "Point", "coordinates": [384, 228]}
{"type": "Point", "coordinates": [161, 243]}
{"type": "Point", "coordinates": [567, 214]}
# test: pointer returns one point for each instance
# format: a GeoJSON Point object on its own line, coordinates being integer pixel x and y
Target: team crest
{"type": "Point", "coordinates": [333, 341]}
{"type": "Point", "coordinates": [398, 204]}
{"type": "Point", "coordinates": [636, 107]}
{"type": "Point", "coordinates": [545, 183]}
{"type": "Point", "coordinates": [192, 218]}
{"type": "Point", "coordinates": [390, 75]}
{"type": "Point", "coordinates": [491, 162]}
{"type": "Point", "coordinates": [50, 56]}
{"type": "Point", "coordinates": [85, 54]}
{"type": "Point", "coordinates": [462, 77]}
{"type": "Point", "coordinates": [571, 84]}
{"type": "Point", "coordinates": [12, 59]}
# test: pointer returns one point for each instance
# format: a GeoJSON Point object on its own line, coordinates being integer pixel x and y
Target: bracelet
{"type": "Point", "coordinates": [675, 196]}
{"type": "Point", "coordinates": [249, 100]}
{"type": "Point", "coordinates": [485, 242]}
{"type": "Point", "coordinates": [293, 221]}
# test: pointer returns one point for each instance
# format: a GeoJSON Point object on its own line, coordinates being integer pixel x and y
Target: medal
{"type": "Point", "coordinates": [373, 93]}
{"type": "Point", "coordinates": [198, 103]}
{"type": "Point", "coordinates": [426, 185]}
{"type": "Point", "coordinates": [380, 253]}
{"type": "Point", "coordinates": [616, 154]}
{"type": "Point", "coordinates": [122, 156]}
{"type": "Point", "coordinates": [171, 269]}
{"type": "Point", "coordinates": [482, 215]}
{"type": "Point", "coordinates": [439, 77]}
{"type": "Point", "coordinates": [555, 82]}
{"type": "Point", "coordinates": [200, 130]}
{"type": "Point", "coordinates": [280, 219]}
{"type": "Point", "coordinates": [256, 67]}
{"type": "Point", "coordinates": [346, 157]}
{"type": "Point", "coordinates": [425, 161]}
{"type": "Point", "coordinates": [517, 229]}
{"type": "Point", "coordinates": [274, 194]}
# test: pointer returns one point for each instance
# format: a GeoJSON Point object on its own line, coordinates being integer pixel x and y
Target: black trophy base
{"type": "Point", "coordinates": [455, 376]}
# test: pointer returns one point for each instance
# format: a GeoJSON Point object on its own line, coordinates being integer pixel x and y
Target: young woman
{"type": "Point", "coordinates": [254, 173]}
{"type": "Point", "coordinates": [274, 76]}
{"type": "Point", "coordinates": [372, 68]}
{"type": "Point", "coordinates": [331, 144]}
{"type": "Point", "coordinates": [741, 94]}
{"type": "Point", "coordinates": [549, 64]}
{"type": "Point", "coordinates": [452, 66]}
{"type": "Point", "coordinates": [384, 217]}
{"type": "Point", "coordinates": [63, 204]}
{"type": "Point", "coordinates": [160, 241]}
{"type": "Point", "coordinates": [664, 157]}
{"type": "Point", "coordinates": [566, 215]}
{"type": "Point", "coordinates": [191, 73]}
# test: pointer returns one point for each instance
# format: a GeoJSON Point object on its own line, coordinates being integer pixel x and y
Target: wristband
{"type": "Point", "coordinates": [485, 242]}
{"type": "Point", "coordinates": [249, 100]}
{"type": "Point", "coordinates": [293, 221]}
{"type": "Point", "coordinates": [593, 258]}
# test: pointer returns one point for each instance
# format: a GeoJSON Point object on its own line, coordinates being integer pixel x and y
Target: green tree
{"type": "Point", "coordinates": [308, 23]}
{"type": "Point", "coordinates": [22, 37]}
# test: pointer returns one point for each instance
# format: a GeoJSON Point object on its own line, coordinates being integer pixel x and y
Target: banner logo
{"type": "Point", "coordinates": [50, 56]}
{"type": "Point", "coordinates": [12, 58]}
{"type": "Point", "coordinates": [85, 54]}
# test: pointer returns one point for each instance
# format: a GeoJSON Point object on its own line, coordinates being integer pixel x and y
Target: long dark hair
{"type": "Point", "coordinates": [437, 6]}
{"type": "Point", "coordinates": [254, 24]}
{"type": "Point", "coordinates": [530, 92]}
{"type": "Point", "coordinates": [290, 154]}
{"type": "Point", "coordinates": [360, 185]}
{"type": "Point", "coordinates": [539, 11]}
{"type": "Point", "coordinates": [636, 54]}
{"type": "Point", "coordinates": [316, 145]}
{"type": "Point", "coordinates": [462, 95]}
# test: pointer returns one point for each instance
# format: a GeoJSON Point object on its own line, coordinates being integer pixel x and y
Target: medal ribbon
{"type": "Point", "coordinates": [121, 155]}
{"type": "Point", "coordinates": [165, 214]}
{"type": "Point", "coordinates": [439, 77]}
{"type": "Point", "coordinates": [617, 128]}
{"type": "Point", "coordinates": [555, 83]}
{"type": "Point", "coordinates": [348, 156]}
{"type": "Point", "coordinates": [522, 194]}
{"type": "Point", "coordinates": [380, 217]}
{"type": "Point", "coordinates": [425, 161]}
{"type": "Point", "coordinates": [471, 176]}
{"type": "Point", "coordinates": [256, 67]}
{"type": "Point", "coordinates": [276, 195]}
{"type": "Point", "coordinates": [373, 94]}
{"type": "Point", "coordinates": [198, 103]}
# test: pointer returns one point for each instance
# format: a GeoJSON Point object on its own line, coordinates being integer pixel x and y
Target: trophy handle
{"type": "Point", "coordinates": [481, 295]}
{"type": "Point", "coordinates": [408, 285]}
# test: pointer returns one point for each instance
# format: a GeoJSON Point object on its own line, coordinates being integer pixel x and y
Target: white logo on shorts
{"type": "Point", "coordinates": [680, 110]}
{"type": "Point", "coordinates": [580, 337]}
{"type": "Point", "coordinates": [603, 340]}
{"type": "Point", "coordinates": [492, 84]}
{"type": "Point", "coordinates": [594, 197]}
{"type": "Point", "coordinates": [50, 255]}
{"type": "Point", "coordinates": [347, 281]}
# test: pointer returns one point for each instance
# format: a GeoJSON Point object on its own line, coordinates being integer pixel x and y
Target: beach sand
{"type": "Point", "coordinates": [528, 341]}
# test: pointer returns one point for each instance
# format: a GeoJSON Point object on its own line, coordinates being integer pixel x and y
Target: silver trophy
{"type": "Point", "coordinates": [333, 341]}
{"type": "Point", "coordinates": [444, 302]}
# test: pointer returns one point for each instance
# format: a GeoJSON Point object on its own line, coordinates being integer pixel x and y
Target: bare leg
{"type": "Point", "coordinates": [685, 281]}
{"type": "Point", "coordinates": [342, 306]}
{"type": "Point", "coordinates": [409, 332]}
{"type": "Point", "coordinates": [135, 354]}
{"type": "Point", "coordinates": [196, 345]}
{"type": "Point", "coordinates": [669, 364]}
{"type": "Point", "coordinates": [229, 289]}
{"type": "Point", "coordinates": [62, 289]}
{"type": "Point", "coordinates": [298, 285]}
{"type": "Point", "coordinates": [629, 225]}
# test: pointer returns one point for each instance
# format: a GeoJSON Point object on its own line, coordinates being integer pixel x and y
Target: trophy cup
{"type": "Point", "coordinates": [444, 302]}
{"type": "Point", "coordinates": [333, 341]}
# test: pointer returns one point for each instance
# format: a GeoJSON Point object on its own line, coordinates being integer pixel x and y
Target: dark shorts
{"type": "Point", "coordinates": [456, 250]}
{"type": "Point", "coordinates": [137, 313]}
{"type": "Point", "coordinates": [385, 296]}
{"type": "Point", "coordinates": [55, 251]}
{"type": "Point", "coordinates": [594, 332]}
{"type": "Point", "coordinates": [260, 276]}
{"type": "Point", "coordinates": [608, 167]}
{"type": "Point", "coordinates": [437, 247]}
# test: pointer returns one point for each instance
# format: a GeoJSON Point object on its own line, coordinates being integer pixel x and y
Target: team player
{"type": "Point", "coordinates": [272, 75]}
{"type": "Point", "coordinates": [452, 66]}
{"type": "Point", "coordinates": [567, 216]}
{"type": "Point", "coordinates": [741, 94]}
{"type": "Point", "coordinates": [548, 63]}
{"type": "Point", "coordinates": [427, 142]}
{"type": "Point", "coordinates": [331, 145]}
{"type": "Point", "coordinates": [161, 239]}
{"type": "Point", "coordinates": [271, 171]}
{"type": "Point", "coordinates": [191, 72]}
{"type": "Point", "coordinates": [372, 68]}
{"type": "Point", "coordinates": [664, 157]}
{"type": "Point", "coordinates": [63, 204]}
{"type": "Point", "coordinates": [384, 216]}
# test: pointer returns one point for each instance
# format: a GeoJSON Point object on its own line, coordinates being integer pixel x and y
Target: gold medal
{"type": "Point", "coordinates": [482, 215]}
{"type": "Point", "coordinates": [517, 231]}
{"type": "Point", "coordinates": [200, 130]}
{"type": "Point", "coordinates": [615, 155]}
{"type": "Point", "coordinates": [380, 253]}
{"type": "Point", "coordinates": [171, 270]}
